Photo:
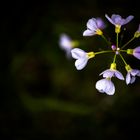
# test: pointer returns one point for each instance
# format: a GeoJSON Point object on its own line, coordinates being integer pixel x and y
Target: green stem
{"type": "Point", "coordinates": [114, 58]}
{"type": "Point", "coordinates": [117, 36]}
{"type": "Point", "coordinates": [123, 59]}
{"type": "Point", "coordinates": [108, 43]}
{"type": "Point", "coordinates": [102, 52]}
{"type": "Point", "coordinates": [123, 50]}
{"type": "Point", "coordinates": [128, 42]}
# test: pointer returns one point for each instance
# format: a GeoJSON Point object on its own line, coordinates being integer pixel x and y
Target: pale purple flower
{"type": "Point", "coordinates": [82, 57]}
{"type": "Point", "coordinates": [131, 76]}
{"type": "Point", "coordinates": [136, 52]}
{"type": "Point", "coordinates": [105, 86]}
{"type": "Point", "coordinates": [118, 20]}
{"type": "Point", "coordinates": [94, 27]}
{"type": "Point", "coordinates": [112, 73]}
{"type": "Point", "coordinates": [66, 44]}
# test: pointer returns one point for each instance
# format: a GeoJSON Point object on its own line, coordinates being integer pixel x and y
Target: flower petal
{"type": "Point", "coordinates": [110, 90]}
{"type": "Point", "coordinates": [78, 53]}
{"type": "Point", "coordinates": [133, 78]}
{"type": "Point", "coordinates": [136, 52]}
{"type": "Point", "coordinates": [128, 78]}
{"type": "Point", "coordinates": [89, 33]}
{"type": "Point", "coordinates": [105, 85]}
{"type": "Point", "coordinates": [119, 75]}
{"type": "Point", "coordinates": [80, 63]}
{"type": "Point", "coordinates": [134, 72]}
{"type": "Point", "coordinates": [100, 23]}
{"type": "Point", "coordinates": [107, 73]}
{"type": "Point", "coordinates": [128, 19]}
{"type": "Point", "coordinates": [101, 85]}
{"type": "Point", "coordinates": [65, 42]}
{"type": "Point", "coordinates": [92, 24]}
{"type": "Point", "coordinates": [110, 20]}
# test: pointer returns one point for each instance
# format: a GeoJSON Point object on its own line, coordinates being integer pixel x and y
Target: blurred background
{"type": "Point", "coordinates": [43, 96]}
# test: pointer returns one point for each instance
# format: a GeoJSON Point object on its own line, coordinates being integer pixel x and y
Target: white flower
{"type": "Point", "coordinates": [93, 27]}
{"type": "Point", "coordinates": [82, 57]}
{"type": "Point", "coordinates": [105, 86]}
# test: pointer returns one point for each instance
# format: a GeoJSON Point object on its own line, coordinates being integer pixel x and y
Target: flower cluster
{"type": "Point", "coordinates": [95, 26]}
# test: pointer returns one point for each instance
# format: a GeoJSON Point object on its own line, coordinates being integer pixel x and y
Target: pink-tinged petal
{"type": "Point", "coordinates": [110, 20]}
{"type": "Point", "coordinates": [128, 78]}
{"type": "Point", "coordinates": [133, 78]}
{"type": "Point", "coordinates": [128, 19]}
{"type": "Point", "coordinates": [80, 63]}
{"type": "Point", "coordinates": [92, 24]}
{"type": "Point", "coordinates": [119, 75]}
{"type": "Point", "coordinates": [134, 72]}
{"type": "Point", "coordinates": [78, 53]}
{"type": "Point", "coordinates": [89, 33]}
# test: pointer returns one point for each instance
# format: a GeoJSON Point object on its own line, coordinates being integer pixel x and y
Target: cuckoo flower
{"type": "Point", "coordinates": [131, 74]}
{"type": "Point", "coordinates": [66, 44]}
{"type": "Point", "coordinates": [118, 21]}
{"type": "Point", "coordinates": [82, 57]}
{"type": "Point", "coordinates": [112, 72]}
{"type": "Point", "coordinates": [135, 52]}
{"type": "Point", "coordinates": [94, 27]}
{"type": "Point", "coordinates": [105, 86]}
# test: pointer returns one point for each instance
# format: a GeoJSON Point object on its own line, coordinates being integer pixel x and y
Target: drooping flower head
{"type": "Point", "coordinates": [131, 74]}
{"type": "Point", "coordinates": [66, 44]}
{"type": "Point", "coordinates": [82, 57]}
{"type": "Point", "coordinates": [94, 27]}
{"type": "Point", "coordinates": [112, 72]}
{"type": "Point", "coordinates": [105, 86]}
{"type": "Point", "coordinates": [137, 33]}
{"type": "Point", "coordinates": [118, 21]}
{"type": "Point", "coordinates": [135, 52]}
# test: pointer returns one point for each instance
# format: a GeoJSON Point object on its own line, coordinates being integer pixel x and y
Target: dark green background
{"type": "Point", "coordinates": [43, 96]}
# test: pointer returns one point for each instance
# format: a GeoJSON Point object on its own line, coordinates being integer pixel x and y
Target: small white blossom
{"type": "Point", "coordinates": [94, 27]}
{"type": "Point", "coordinates": [82, 57]}
{"type": "Point", "coordinates": [105, 86]}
